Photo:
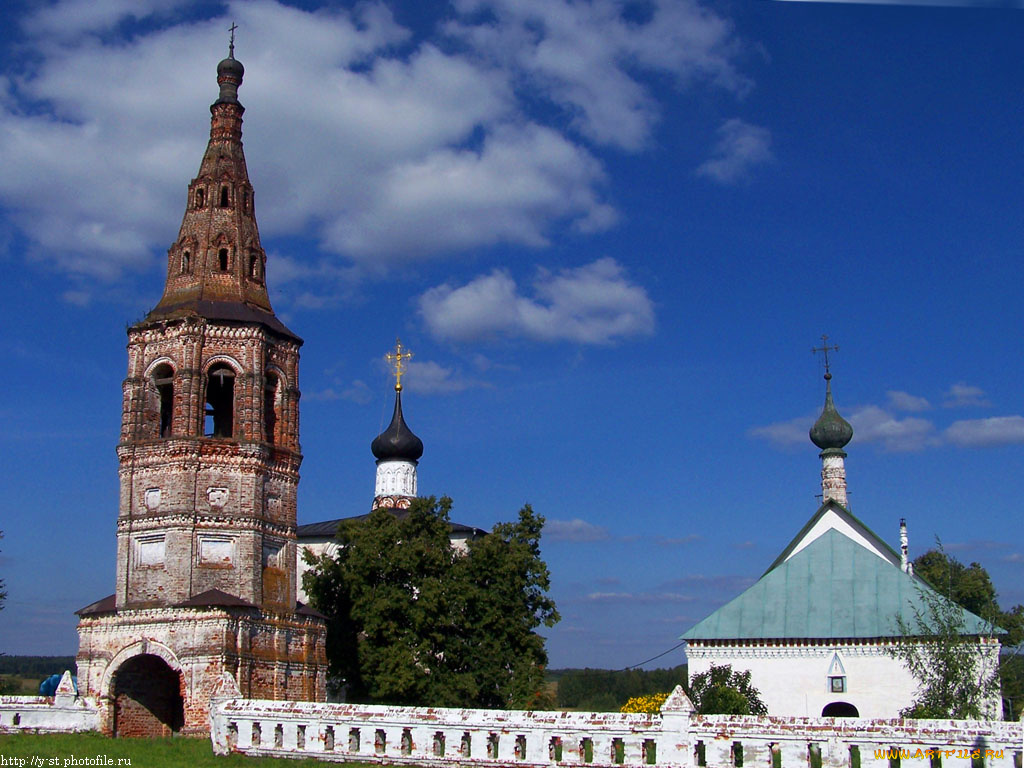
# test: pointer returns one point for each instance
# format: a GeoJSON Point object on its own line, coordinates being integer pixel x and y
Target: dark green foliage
{"type": "Point", "coordinates": [602, 690]}
{"type": "Point", "coordinates": [972, 588]}
{"type": "Point", "coordinates": [411, 621]}
{"type": "Point", "coordinates": [36, 666]}
{"type": "Point", "coordinates": [720, 691]}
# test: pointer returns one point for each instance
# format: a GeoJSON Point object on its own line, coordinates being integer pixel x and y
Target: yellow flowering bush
{"type": "Point", "coordinates": [650, 704]}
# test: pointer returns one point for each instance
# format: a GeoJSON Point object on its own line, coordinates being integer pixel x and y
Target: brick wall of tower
{"type": "Point", "coordinates": [201, 513]}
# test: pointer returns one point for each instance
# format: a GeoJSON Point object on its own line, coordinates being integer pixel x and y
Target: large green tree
{"type": "Point", "coordinates": [722, 691]}
{"type": "Point", "coordinates": [414, 621]}
{"type": "Point", "coordinates": [954, 671]}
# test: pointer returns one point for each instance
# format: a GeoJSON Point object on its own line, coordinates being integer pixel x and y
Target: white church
{"type": "Point", "coordinates": [814, 629]}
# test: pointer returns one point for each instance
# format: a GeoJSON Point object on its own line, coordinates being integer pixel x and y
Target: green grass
{"type": "Point", "coordinates": [142, 753]}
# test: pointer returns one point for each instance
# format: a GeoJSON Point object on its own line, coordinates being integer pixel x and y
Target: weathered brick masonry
{"type": "Point", "coordinates": [209, 461]}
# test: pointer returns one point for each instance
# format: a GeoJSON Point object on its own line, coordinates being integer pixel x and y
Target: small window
{"type": "Point", "coordinates": [200, 197]}
{"type": "Point", "coordinates": [186, 263]}
{"type": "Point", "coordinates": [254, 266]}
{"type": "Point", "coordinates": [837, 684]}
{"type": "Point", "coordinates": [222, 257]}
{"type": "Point", "coordinates": [223, 197]}
{"type": "Point", "coordinates": [245, 201]}
{"type": "Point", "coordinates": [737, 754]}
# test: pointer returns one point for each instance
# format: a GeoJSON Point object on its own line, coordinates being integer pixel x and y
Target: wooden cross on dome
{"type": "Point", "coordinates": [398, 359]}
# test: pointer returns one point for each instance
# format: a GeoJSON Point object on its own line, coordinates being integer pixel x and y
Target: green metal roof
{"type": "Point", "coordinates": [833, 588]}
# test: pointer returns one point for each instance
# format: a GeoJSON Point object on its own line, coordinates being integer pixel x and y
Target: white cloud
{"type": "Point", "coordinates": [904, 401]}
{"type": "Point", "coordinates": [431, 378]}
{"type": "Point", "coordinates": [582, 56]}
{"type": "Point", "coordinates": [740, 147]}
{"type": "Point", "coordinates": [357, 392]}
{"type": "Point", "coordinates": [592, 304]}
{"type": "Point", "coordinates": [786, 433]}
{"type": "Point", "coordinates": [574, 530]}
{"type": "Point", "coordinates": [639, 597]}
{"type": "Point", "coordinates": [963, 395]}
{"type": "Point", "coordinates": [379, 147]}
{"type": "Point", "coordinates": [998, 430]}
{"type": "Point", "coordinates": [872, 424]}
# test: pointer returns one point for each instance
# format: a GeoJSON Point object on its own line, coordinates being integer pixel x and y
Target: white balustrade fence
{"type": "Point", "coordinates": [676, 737]}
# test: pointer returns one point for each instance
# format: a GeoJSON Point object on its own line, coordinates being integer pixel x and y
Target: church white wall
{"type": "Point", "coordinates": [794, 680]}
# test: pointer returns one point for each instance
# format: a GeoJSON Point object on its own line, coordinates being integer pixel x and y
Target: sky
{"type": "Point", "coordinates": [611, 233]}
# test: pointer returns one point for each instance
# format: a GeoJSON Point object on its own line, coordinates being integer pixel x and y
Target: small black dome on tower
{"type": "Point", "coordinates": [230, 66]}
{"type": "Point", "coordinates": [830, 431]}
{"type": "Point", "coordinates": [397, 442]}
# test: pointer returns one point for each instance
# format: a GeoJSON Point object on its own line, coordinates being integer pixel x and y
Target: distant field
{"type": "Point", "coordinates": [57, 750]}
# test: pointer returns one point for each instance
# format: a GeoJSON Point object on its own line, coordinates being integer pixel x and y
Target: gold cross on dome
{"type": "Point", "coordinates": [398, 359]}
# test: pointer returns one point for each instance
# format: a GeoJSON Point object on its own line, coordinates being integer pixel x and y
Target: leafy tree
{"type": "Point", "coordinates": [721, 691]}
{"type": "Point", "coordinates": [505, 583]}
{"type": "Point", "coordinates": [972, 588]}
{"type": "Point", "coordinates": [953, 670]}
{"type": "Point", "coordinates": [412, 621]}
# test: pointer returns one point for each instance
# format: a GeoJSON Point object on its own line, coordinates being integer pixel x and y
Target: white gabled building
{"type": "Point", "coordinates": [814, 629]}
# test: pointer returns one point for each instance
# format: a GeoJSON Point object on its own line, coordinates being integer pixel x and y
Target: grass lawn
{"type": "Point", "coordinates": [55, 749]}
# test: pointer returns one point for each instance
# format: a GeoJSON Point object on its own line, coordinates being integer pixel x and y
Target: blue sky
{"type": "Point", "coordinates": [611, 233]}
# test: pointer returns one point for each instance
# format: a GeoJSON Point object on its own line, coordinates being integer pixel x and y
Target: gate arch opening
{"type": "Point", "coordinates": [840, 709]}
{"type": "Point", "coordinates": [148, 698]}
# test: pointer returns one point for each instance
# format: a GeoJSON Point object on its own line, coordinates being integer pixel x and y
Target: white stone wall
{"type": "Point", "coordinates": [40, 714]}
{"type": "Point", "coordinates": [675, 738]}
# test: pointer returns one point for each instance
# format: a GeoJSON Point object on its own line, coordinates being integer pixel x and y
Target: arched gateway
{"type": "Point", "coordinates": [148, 698]}
{"type": "Point", "coordinates": [840, 709]}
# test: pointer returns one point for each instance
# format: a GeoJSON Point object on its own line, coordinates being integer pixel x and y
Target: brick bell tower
{"type": "Point", "coordinates": [209, 465]}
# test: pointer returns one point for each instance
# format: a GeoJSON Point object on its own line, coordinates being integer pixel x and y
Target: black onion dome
{"type": "Point", "coordinates": [397, 441]}
{"type": "Point", "coordinates": [231, 66]}
{"type": "Point", "coordinates": [229, 77]}
{"type": "Point", "coordinates": [830, 431]}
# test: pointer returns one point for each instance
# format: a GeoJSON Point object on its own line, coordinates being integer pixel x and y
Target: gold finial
{"type": "Point", "coordinates": [398, 359]}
